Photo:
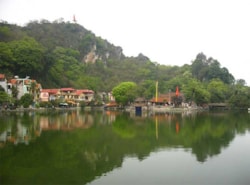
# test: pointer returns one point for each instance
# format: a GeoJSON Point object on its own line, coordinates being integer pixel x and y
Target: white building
{"type": "Point", "coordinates": [3, 82]}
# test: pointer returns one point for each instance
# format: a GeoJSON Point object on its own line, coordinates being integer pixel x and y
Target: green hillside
{"type": "Point", "coordinates": [62, 54]}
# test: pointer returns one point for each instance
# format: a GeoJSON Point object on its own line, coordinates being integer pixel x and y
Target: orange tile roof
{"type": "Point", "coordinates": [50, 91]}
{"type": "Point", "coordinates": [2, 76]}
{"type": "Point", "coordinates": [84, 91]}
{"type": "Point", "coordinates": [13, 81]}
{"type": "Point", "coordinates": [67, 89]}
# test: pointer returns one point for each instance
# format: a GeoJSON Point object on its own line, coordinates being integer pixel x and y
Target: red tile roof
{"type": "Point", "coordinates": [2, 76]}
{"type": "Point", "coordinates": [13, 81]}
{"type": "Point", "coordinates": [50, 91]}
{"type": "Point", "coordinates": [67, 89]}
{"type": "Point", "coordinates": [84, 91]}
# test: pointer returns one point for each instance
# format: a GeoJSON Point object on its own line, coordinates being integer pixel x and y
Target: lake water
{"type": "Point", "coordinates": [106, 148]}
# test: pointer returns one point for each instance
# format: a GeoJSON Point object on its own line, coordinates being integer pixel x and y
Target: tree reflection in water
{"type": "Point", "coordinates": [76, 147]}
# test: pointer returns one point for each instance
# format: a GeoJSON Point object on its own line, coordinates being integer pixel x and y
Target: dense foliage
{"type": "Point", "coordinates": [62, 54]}
{"type": "Point", "coordinates": [125, 92]}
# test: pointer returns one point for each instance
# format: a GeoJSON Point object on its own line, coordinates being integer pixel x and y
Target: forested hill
{"type": "Point", "coordinates": [62, 54]}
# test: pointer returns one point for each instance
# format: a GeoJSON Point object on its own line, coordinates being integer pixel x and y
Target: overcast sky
{"type": "Point", "coordinates": [170, 32]}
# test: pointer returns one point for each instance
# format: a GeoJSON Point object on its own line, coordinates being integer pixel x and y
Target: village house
{"type": "Point", "coordinates": [69, 95]}
{"type": "Point", "coordinates": [3, 82]}
{"type": "Point", "coordinates": [84, 95]}
{"type": "Point", "coordinates": [49, 94]}
{"type": "Point", "coordinates": [30, 86]}
{"type": "Point", "coordinates": [23, 86]}
{"type": "Point", "coordinates": [165, 99]}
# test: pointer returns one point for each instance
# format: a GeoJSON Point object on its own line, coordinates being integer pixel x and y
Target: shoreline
{"type": "Point", "coordinates": [164, 109]}
{"type": "Point", "coordinates": [142, 109]}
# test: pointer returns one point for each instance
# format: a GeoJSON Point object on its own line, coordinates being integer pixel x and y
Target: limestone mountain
{"type": "Point", "coordinates": [60, 54]}
{"type": "Point", "coordinates": [74, 36]}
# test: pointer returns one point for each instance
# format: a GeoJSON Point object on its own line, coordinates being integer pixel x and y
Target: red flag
{"type": "Point", "coordinates": [177, 93]}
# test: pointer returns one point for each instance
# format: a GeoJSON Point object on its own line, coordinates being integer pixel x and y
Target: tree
{"type": "Point", "coordinates": [14, 92]}
{"type": "Point", "coordinates": [28, 55]}
{"type": "Point", "coordinates": [218, 91]}
{"type": "Point", "coordinates": [241, 82]}
{"type": "Point", "coordinates": [26, 100]}
{"type": "Point", "coordinates": [125, 92]}
{"type": "Point", "coordinates": [207, 69]}
{"type": "Point", "coordinates": [227, 77]}
{"type": "Point", "coordinates": [241, 96]}
{"type": "Point", "coordinates": [201, 96]}
{"type": "Point", "coordinates": [177, 100]}
{"type": "Point", "coordinates": [4, 33]}
{"type": "Point", "coordinates": [65, 68]}
{"type": "Point", "coordinates": [6, 57]}
{"type": "Point", "coordinates": [200, 67]}
{"type": "Point", "coordinates": [195, 91]}
{"type": "Point", "coordinates": [3, 97]}
{"type": "Point", "coordinates": [2, 89]}
{"type": "Point", "coordinates": [146, 89]}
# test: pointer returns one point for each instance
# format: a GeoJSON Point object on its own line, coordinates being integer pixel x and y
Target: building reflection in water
{"type": "Point", "coordinates": [16, 135]}
{"type": "Point", "coordinates": [19, 131]}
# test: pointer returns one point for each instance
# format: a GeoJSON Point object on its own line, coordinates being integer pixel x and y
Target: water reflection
{"type": "Point", "coordinates": [76, 147]}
